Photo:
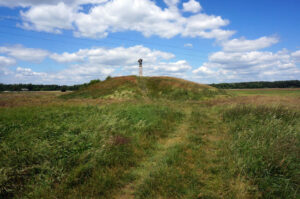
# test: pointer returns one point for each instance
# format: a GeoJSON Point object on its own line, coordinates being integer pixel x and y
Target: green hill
{"type": "Point", "coordinates": [133, 87]}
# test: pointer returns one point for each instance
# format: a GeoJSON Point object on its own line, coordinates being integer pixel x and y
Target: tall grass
{"type": "Point", "coordinates": [183, 171]}
{"type": "Point", "coordinates": [266, 148]}
{"type": "Point", "coordinates": [76, 151]}
{"type": "Point", "coordinates": [173, 177]}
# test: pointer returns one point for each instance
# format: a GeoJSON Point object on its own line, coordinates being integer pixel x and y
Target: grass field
{"type": "Point", "coordinates": [245, 144]}
{"type": "Point", "coordinates": [293, 92]}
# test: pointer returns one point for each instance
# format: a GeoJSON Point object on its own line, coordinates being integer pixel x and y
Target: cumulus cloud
{"type": "Point", "coordinates": [20, 72]}
{"type": "Point", "coordinates": [206, 26]}
{"type": "Point", "coordinates": [28, 3]}
{"type": "Point", "coordinates": [192, 6]}
{"type": "Point", "coordinates": [49, 18]}
{"type": "Point", "coordinates": [171, 3]}
{"type": "Point", "coordinates": [243, 44]}
{"type": "Point", "coordinates": [6, 61]}
{"type": "Point", "coordinates": [204, 70]}
{"type": "Point", "coordinates": [249, 66]}
{"type": "Point", "coordinates": [113, 56]}
{"type": "Point", "coordinates": [25, 54]}
{"type": "Point", "coordinates": [86, 64]}
{"type": "Point", "coordinates": [178, 68]}
{"type": "Point", "coordinates": [296, 56]}
{"type": "Point", "coordinates": [241, 60]}
{"type": "Point", "coordinates": [105, 17]}
{"type": "Point", "coordinates": [68, 57]}
{"type": "Point", "coordinates": [121, 15]}
{"type": "Point", "coordinates": [169, 67]}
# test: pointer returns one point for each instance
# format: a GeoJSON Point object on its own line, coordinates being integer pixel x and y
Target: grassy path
{"type": "Point", "coordinates": [144, 169]}
{"type": "Point", "coordinates": [217, 179]}
{"type": "Point", "coordinates": [190, 163]}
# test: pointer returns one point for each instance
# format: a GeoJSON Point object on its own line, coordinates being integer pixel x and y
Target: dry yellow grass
{"type": "Point", "coordinates": [45, 98]}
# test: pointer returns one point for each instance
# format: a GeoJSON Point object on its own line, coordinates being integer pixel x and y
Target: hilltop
{"type": "Point", "coordinates": [133, 87]}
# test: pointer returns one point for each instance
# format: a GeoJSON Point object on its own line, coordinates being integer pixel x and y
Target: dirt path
{"type": "Point", "coordinates": [143, 170]}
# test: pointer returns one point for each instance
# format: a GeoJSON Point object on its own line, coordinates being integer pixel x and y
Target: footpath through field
{"type": "Point", "coordinates": [188, 163]}
{"type": "Point", "coordinates": [144, 169]}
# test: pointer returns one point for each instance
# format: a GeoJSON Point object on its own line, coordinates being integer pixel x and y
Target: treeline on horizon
{"type": "Point", "coordinates": [37, 87]}
{"type": "Point", "coordinates": [239, 85]}
{"type": "Point", "coordinates": [260, 84]}
{"type": "Point", "coordinates": [44, 87]}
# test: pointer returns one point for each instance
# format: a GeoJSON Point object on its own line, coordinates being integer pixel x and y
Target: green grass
{"type": "Point", "coordinates": [69, 152]}
{"type": "Point", "coordinates": [193, 168]}
{"type": "Point", "coordinates": [172, 177]}
{"type": "Point", "coordinates": [170, 144]}
{"type": "Point", "coordinates": [266, 92]}
{"type": "Point", "coordinates": [266, 148]}
{"type": "Point", "coordinates": [174, 174]}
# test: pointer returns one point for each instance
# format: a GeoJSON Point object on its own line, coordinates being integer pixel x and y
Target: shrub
{"type": "Point", "coordinates": [108, 78]}
{"type": "Point", "coordinates": [94, 81]}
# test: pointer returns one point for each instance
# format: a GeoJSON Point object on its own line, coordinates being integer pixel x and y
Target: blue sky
{"type": "Point", "coordinates": [207, 41]}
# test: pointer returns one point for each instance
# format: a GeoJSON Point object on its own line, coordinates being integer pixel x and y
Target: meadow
{"type": "Point", "coordinates": [293, 92]}
{"type": "Point", "coordinates": [185, 143]}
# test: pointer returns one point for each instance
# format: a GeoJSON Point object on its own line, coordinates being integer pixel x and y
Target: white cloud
{"type": "Point", "coordinates": [178, 69]}
{"type": "Point", "coordinates": [105, 17]}
{"type": "Point", "coordinates": [28, 72]}
{"type": "Point", "coordinates": [192, 6]}
{"type": "Point", "coordinates": [121, 15]}
{"type": "Point", "coordinates": [165, 68]}
{"type": "Point", "coordinates": [114, 56]}
{"type": "Point", "coordinates": [204, 70]}
{"type": "Point", "coordinates": [171, 3]}
{"type": "Point", "coordinates": [6, 61]}
{"type": "Point", "coordinates": [219, 34]}
{"type": "Point", "coordinates": [28, 3]}
{"type": "Point", "coordinates": [25, 3]}
{"type": "Point", "coordinates": [296, 55]}
{"type": "Point", "coordinates": [179, 66]}
{"type": "Point", "coordinates": [24, 54]}
{"type": "Point", "coordinates": [249, 66]}
{"type": "Point", "coordinates": [86, 64]}
{"type": "Point", "coordinates": [237, 45]}
{"type": "Point", "coordinates": [240, 60]}
{"type": "Point", "coordinates": [68, 57]}
{"type": "Point", "coordinates": [206, 26]}
{"type": "Point", "coordinates": [189, 45]}
{"type": "Point", "coordinates": [49, 18]}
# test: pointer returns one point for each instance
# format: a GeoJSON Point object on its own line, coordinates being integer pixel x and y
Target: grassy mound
{"type": "Point", "coordinates": [133, 87]}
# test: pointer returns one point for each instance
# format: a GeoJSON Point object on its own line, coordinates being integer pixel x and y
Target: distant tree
{"type": "Point", "coordinates": [108, 77]}
{"type": "Point", "coordinates": [94, 81]}
{"type": "Point", "coordinates": [245, 85]}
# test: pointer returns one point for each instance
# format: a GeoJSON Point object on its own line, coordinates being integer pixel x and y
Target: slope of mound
{"type": "Point", "coordinates": [133, 87]}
